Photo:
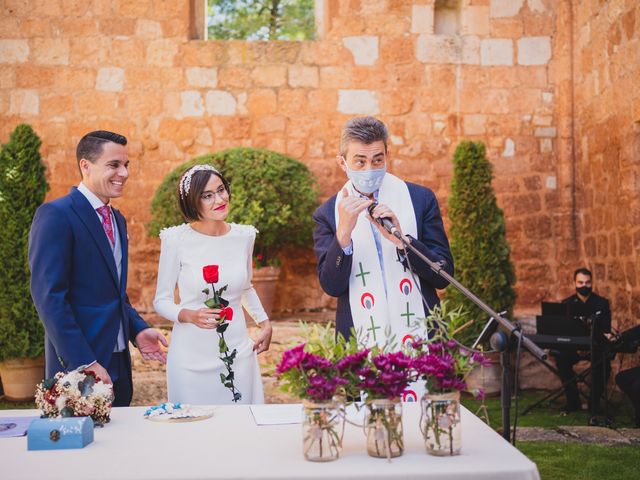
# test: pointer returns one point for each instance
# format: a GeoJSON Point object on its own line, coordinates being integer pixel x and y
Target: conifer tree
{"type": "Point", "coordinates": [478, 242]}
{"type": "Point", "coordinates": [22, 189]}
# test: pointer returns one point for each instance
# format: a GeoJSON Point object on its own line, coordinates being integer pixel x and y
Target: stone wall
{"type": "Point", "coordinates": [607, 136]}
{"type": "Point", "coordinates": [71, 66]}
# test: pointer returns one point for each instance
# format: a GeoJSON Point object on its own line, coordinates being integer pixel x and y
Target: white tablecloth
{"type": "Point", "coordinates": [230, 445]}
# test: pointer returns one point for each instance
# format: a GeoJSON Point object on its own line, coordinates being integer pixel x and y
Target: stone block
{"type": "Point", "coordinates": [148, 28]}
{"type": "Point", "coordinates": [203, 137]}
{"type": "Point", "coordinates": [474, 124]}
{"type": "Point", "coordinates": [504, 8]}
{"type": "Point", "coordinates": [496, 51]}
{"type": "Point", "coordinates": [161, 52]}
{"type": "Point", "coordinates": [323, 101]}
{"type": "Point", "coordinates": [33, 76]}
{"type": "Point", "coordinates": [335, 77]}
{"type": "Point", "coordinates": [55, 106]}
{"type": "Point", "coordinates": [362, 102]}
{"type": "Point", "coordinates": [534, 50]}
{"type": "Point", "coordinates": [50, 51]}
{"type": "Point", "coordinates": [364, 49]}
{"type": "Point", "coordinates": [110, 79]}
{"type": "Point", "coordinates": [545, 132]}
{"type": "Point", "coordinates": [24, 102]}
{"type": "Point", "coordinates": [202, 77]}
{"type": "Point", "coordinates": [269, 75]}
{"type": "Point", "coordinates": [536, 6]}
{"type": "Point", "coordinates": [220, 102]}
{"type": "Point", "coordinates": [191, 104]}
{"type": "Point", "coordinates": [438, 48]}
{"type": "Point", "coordinates": [270, 124]}
{"type": "Point", "coordinates": [234, 76]}
{"type": "Point", "coordinates": [475, 20]}
{"type": "Point", "coordinates": [115, 27]}
{"type": "Point", "coordinates": [262, 102]}
{"type": "Point", "coordinates": [506, 27]}
{"type": "Point", "coordinates": [422, 19]}
{"type": "Point", "coordinates": [14, 51]}
{"type": "Point", "coordinates": [292, 102]}
{"type": "Point", "coordinates": [303, 76]}
{"type": "Point", "coordinates": [470, 50]}
{"type": "Point", "coordinates": [509, 148]}
{"type": "Point", "coordinates": [546, 145]}
{"type": "Point", "coordinates": [7, 77]}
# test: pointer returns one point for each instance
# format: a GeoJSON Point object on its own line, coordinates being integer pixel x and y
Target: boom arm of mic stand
{"type": "Point", "coordinates": [511, 329]}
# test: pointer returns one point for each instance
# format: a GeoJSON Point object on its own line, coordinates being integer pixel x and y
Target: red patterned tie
{"type": "Point", "coordinates": [105, 213]}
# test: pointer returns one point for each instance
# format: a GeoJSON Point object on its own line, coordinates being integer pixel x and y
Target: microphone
{"type": "Point", "coordinates": [385, 222]}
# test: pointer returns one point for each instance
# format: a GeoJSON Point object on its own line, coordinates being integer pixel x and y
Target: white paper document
{"type": "Point", "coordinates": [277, 414]}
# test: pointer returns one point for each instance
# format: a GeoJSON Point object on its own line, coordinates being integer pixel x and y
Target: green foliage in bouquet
{"type": "Point", "coordinates": [270, 191]}
{"type": "Point", "coordinates": [478, 238]}
{"type": "Point", "coordinates": [22, 189]}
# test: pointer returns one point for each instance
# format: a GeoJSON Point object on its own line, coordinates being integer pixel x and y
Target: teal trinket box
{"type": "Point", "coordinates": [59, 433]}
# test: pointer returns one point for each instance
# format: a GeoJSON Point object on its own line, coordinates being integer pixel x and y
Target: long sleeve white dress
{"type": "Point", "coordinates": [193, 360]}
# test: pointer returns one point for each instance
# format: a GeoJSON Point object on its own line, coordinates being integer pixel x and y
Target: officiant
{"type": "Point", "coordinates": [359, 262]}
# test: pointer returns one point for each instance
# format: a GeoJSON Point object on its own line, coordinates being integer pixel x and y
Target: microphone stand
{"type": "Point", "coordinates": [501, 339]}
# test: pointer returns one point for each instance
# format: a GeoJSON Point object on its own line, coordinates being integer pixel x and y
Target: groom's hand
{"type": "Point", "coordinates": [99, 371]}
{"type": "Point", "coordinates": [150, 342]}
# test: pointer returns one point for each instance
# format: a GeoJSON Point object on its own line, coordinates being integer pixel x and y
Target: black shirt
{"type": "Point", "coordinates": [595, 306]}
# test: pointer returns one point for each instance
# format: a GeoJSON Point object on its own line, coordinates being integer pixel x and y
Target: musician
{"type": "Point", "coordinates": [629, 380]}
{"type": "Point", "coordinates": [594, 308]}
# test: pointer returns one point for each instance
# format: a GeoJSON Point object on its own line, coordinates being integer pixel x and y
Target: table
{"type": "Point", "coordinates": [230, 445]}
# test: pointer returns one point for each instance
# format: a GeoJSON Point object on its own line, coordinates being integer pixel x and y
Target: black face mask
{"type": "Point", "coordinates": [584, 291]}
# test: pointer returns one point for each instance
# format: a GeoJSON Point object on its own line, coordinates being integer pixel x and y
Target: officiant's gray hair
{"type": "Point", "coordinates": [364, 130]}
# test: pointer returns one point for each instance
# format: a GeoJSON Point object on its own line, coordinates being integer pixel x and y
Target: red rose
{"type": "Point", "coordinates": [226, 313]}
{"type": "Point", "coordinates": [210, 273]}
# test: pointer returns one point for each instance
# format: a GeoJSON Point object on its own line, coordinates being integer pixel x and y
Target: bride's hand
{"type": "Point", "coordinates": [208, 318]}
{"type": "Point", "coordinates": [264, 338]}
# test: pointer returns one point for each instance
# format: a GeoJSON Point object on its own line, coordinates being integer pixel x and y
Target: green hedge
{"type": "Point", "coordinates": [271, 191]}
{"type": "Point", "coordinates": [22, 189]}
{"type": "Point", "coordinates": [478, 241]}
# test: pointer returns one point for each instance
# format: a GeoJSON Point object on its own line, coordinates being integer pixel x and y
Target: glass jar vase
{"type": "Point", "coordinates": [440, 423]}
{"type": "Point", "coordinates": [383, 426]}
{"type": "Point", "coordinates": [322, 431]}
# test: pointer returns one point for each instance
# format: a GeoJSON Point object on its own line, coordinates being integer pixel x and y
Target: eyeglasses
{"type": "Point", "coordinates": [210, 197]}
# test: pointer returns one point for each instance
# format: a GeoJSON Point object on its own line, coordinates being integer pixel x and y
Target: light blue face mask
{"type": "Point", "coordinates": [367, 181]}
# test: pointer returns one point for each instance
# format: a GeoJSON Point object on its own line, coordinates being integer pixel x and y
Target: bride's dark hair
{"type": "Point", "coordinates": [190, 203]}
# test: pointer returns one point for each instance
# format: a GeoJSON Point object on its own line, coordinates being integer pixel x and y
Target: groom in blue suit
{"type": "Point", "coordinates": [78, 248]}
{"type": "Point", "coordinates": [364, 158]}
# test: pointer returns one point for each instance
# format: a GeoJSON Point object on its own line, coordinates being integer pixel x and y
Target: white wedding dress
{"type": "Point", "coordinates": [193, 360]}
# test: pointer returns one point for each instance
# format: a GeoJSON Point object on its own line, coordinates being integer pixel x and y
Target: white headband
{"type": "Point", "coordinates": [185, 181]}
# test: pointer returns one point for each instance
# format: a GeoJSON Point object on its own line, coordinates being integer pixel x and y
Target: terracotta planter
{"type": "Point", "coordinates": [487, 378]}
{"type": "Point", "coordinates": [264, 281]}
{"type": "Point", "coordinates": [20, 377]}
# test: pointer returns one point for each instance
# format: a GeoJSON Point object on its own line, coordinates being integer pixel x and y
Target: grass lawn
{"type": "Point", "coordinates": [564, 461]}
{"type": "Point", "coordinates": [548, 414]}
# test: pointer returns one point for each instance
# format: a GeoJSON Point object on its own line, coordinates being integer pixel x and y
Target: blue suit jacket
{"type": "Point", "coordinates": [75, 286]}
{"type": "Point", "coordinates": [334, 266]}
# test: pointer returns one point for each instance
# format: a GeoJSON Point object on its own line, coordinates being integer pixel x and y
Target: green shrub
{"type": "Point", "coordinates": [22, 189]}
{"type": "Point", "coordinates": [273, 192]}
{"type": "Point", "coordinates": [478, 242]}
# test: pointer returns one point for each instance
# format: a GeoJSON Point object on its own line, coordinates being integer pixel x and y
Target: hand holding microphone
{"type": "Point", "coordinates": [386, 221]}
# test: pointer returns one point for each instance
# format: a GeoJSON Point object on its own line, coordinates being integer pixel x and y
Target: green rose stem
{"type": "Point", "coordinates": [226, 356]}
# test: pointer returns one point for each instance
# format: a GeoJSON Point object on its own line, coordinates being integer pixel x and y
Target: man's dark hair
{"type": "Point", "coordinates": [364, 130]}
{"type": "Point", "coordinates": [583, 271]}
{"type": "Point", "coordinates": [190, 203]}
{"type": "Point", "coordinates": [90, 146]}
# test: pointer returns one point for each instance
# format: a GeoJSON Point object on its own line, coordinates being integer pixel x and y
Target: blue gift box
{"type": "Point", "coordinates": [59, 433]}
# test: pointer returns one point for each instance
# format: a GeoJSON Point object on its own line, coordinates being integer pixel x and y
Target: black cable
{"type": "Point", "coordinates": [516, 389]}
{"type": "Point", "coordinates": [426, 305]}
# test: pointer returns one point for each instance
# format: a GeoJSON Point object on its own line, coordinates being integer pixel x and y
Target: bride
{"type": "Point", "coordinates": [193, 362]}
